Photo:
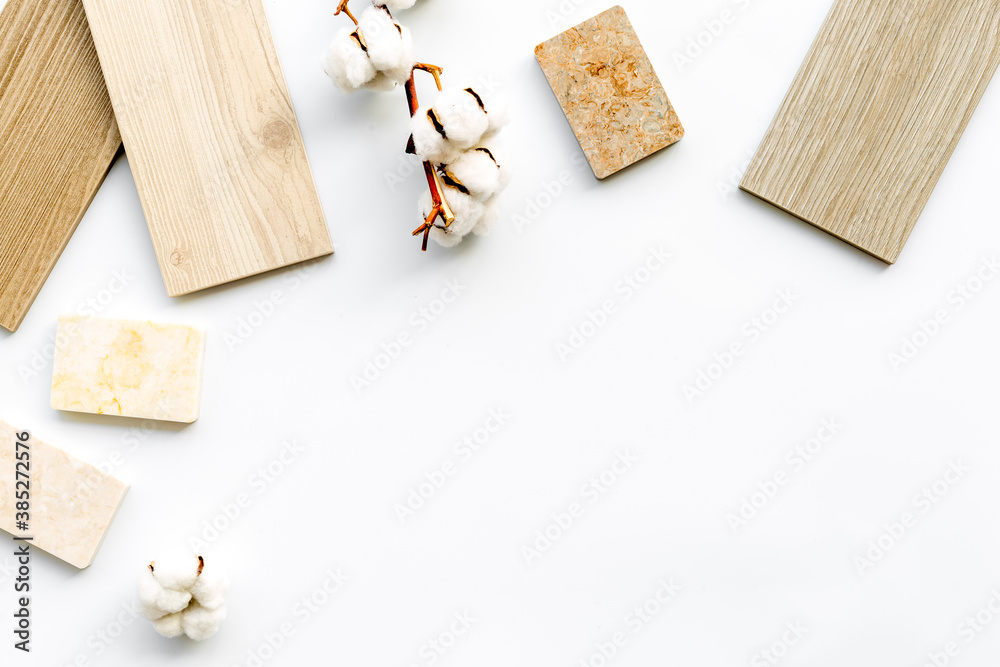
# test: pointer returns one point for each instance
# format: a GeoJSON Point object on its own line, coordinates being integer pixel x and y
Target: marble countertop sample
{"type": "Point", "coordinates": [609, 92]}
{"type": "Point", "coordinates": [71, 503]}
{"type": "Point", "coordinates": [128, 368]}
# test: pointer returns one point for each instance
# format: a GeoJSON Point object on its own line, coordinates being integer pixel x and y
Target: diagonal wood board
{"type": "Point", "coordinates": [211, 137]}
{"type": "Point", "coordinates": [58, 138]}
{"type": "Point", "coordinates": [875, 113]}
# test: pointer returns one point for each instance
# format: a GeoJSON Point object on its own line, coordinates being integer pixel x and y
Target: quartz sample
{"type": "Point", "coordinates": [128, 368]}
{"type": "Point", "coordinates": [71, 504]}
{"type": "Point", "coordinates": [609, 92]}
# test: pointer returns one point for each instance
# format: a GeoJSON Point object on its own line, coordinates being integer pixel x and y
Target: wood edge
{"type": "Point", "coordinates": [15, 323]}
{"type": "Point", "coordinates": [889, 259]}
{"type": "Point", "coordinates": [193, 290]}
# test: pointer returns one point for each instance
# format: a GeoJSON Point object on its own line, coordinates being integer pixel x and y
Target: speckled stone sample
{"type": "Point", "coordinates": [132, 369]}
{"type": "Point", "coordinates": [609, 92]}
{"type": "Point", "coordinates": [72, 503]}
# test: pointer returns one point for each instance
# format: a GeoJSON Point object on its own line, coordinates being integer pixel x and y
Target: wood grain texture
{"type": "Point", "coordinates": [211, 137]}
{"type": "Point", "coordinates": [58, 138]}
{"type": "Point", "coordinates": [875, 113]}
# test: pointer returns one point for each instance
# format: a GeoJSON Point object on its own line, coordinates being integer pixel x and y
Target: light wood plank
{"type": "Point", "coordinates": [874, 115]}
{"type": "Point", "coordinates": [211, 137]}
{"type": "Point", "coordinates": [58, 138]}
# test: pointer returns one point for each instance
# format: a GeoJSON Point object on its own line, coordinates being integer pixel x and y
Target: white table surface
{"type": "Point", "coordinates": [453, 583]}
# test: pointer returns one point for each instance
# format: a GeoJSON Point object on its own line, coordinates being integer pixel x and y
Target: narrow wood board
{"type": "Point", "coordinates": [58, 138]}
{"type": "Point", "coordinates": [211, 137]}
{"type": "Point", "coordinates": [875, 113]}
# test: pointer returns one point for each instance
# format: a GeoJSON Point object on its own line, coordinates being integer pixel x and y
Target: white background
{"type": "Point", "coordinates": [524, 291]}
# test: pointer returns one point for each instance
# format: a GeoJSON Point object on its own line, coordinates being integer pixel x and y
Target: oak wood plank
{"type": "Point", "coordinates": [58, 138]}
{"type": "Point", "coordinates": [211, 137]}
{"type": "Point", "coordinates": [874, 115]}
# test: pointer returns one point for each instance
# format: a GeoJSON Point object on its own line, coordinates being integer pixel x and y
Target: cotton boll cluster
{"type": "Point", "coordinates": [180, 594]}
{"type": "Point", "coordinates": [458, 134]}
{"type": "Point", "coordinates": [377, 54]}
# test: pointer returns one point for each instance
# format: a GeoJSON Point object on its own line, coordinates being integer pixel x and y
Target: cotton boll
{"type": "Point", "coordinates": [177, 571]}
{"type": "Point", "coordinates": [491, 213]}
{"type": "Point", "coordinates": [155, 601]}
{"type": "Point", "coordinates": [390, 45]}
{"type": "Point", "coordinates": [461, 113]}
{"type": "Point", "coordinates": [428, 141]}
{"type": "Point", "coordinates": [182, 595]}
{"type": "Point", "coordinates": [502, 159]}
{"type": "Point", "coordinates": [170, 626]}
{"type": "Point", "coordinates": [454, 123]}
{"type": "Point", "coordinates": [395, 5]}
{"type": "Point", "coordinates": [476, 171]}
{"type": "Point", "coordinates": [381, 83]}
{"type": "Point", "coordinates": [210, 590]}
{"type": "Point", "coordinates": [467, 209]}
{"type": "Point", "coordinates": [347, 63]}
{"type": "Point", "coordinates": [497, 115]}
{"type": "Point", "coordinates": [200, 623]}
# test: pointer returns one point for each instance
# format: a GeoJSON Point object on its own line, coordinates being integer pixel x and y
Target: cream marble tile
{"type": "Point", "coordinates": [128, 368]}
{"type": "Point", "coordinates": [72, 503]}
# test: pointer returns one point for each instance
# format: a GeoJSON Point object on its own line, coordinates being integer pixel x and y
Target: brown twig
{"type": "Point", "coordinates": [342, 7]}
{"type": "Point", "coordinates": [440, 206]}
{"type": "Point", "coordinates": [434, 70]}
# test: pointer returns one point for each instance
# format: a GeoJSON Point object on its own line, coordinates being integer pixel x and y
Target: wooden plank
{"type": "Point", "coordinates": [58, 138]}
{"type": "Point", "coordinates": [875, 113]}
{"type": "Point", "coordinates": [211, 137]}
{"type": "Point", "coordinates": [71, 504]}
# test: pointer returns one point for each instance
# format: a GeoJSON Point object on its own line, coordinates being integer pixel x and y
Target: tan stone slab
{"type": "Point", "coordinates": [609, 92]}
{"type": "Point", "coordinates": [128, 368]}
{"type": "Point", "coordinates": [71, 503]}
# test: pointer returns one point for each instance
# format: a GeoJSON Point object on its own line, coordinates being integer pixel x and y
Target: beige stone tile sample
{"type": "Point", "coordinates": [71, 503]}
{"type": "Point", "coordinates": [128, 368]}
{"type": "Point", "coordinates": [609, 92]}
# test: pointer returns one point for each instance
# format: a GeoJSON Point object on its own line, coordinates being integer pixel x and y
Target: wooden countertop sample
{"type": "Point", "coordinates": [874, 114]}
{"type": "Point", "coordinates": [58, 138]}
{"type": "Point", "coordinates": [211, 137]}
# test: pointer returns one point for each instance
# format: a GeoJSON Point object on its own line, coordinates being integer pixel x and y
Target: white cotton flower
{"type": "Point", "coordinates": [467, 209]}
{"type": "Point", "coordinates": [182, 595]}
{"type": "Point", "coordinates": [462, 113]}
{"type": "Point", "coordinates": [483, 171]}
{"type": "Point", "coordinates": [347, 63]}
{"type": "Point", "coordinates": [498, 116]}
{"type": "Point", "coordinates": [200, 623]}
{"type": "Point", "coordinates": [395, 5]}
{"type": "Point", "coordinates": [459, 119]}
{"type": "Point", "coordinates": [491, 213]}
{"type": "Point", "coordinates": [377, 54]}
{"type": "Point", "coordinates": [389, 45]}
{"type": "Point", "coordinates": [170, 626]}
{"type": "Point", "coordinates": [454, 123]}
